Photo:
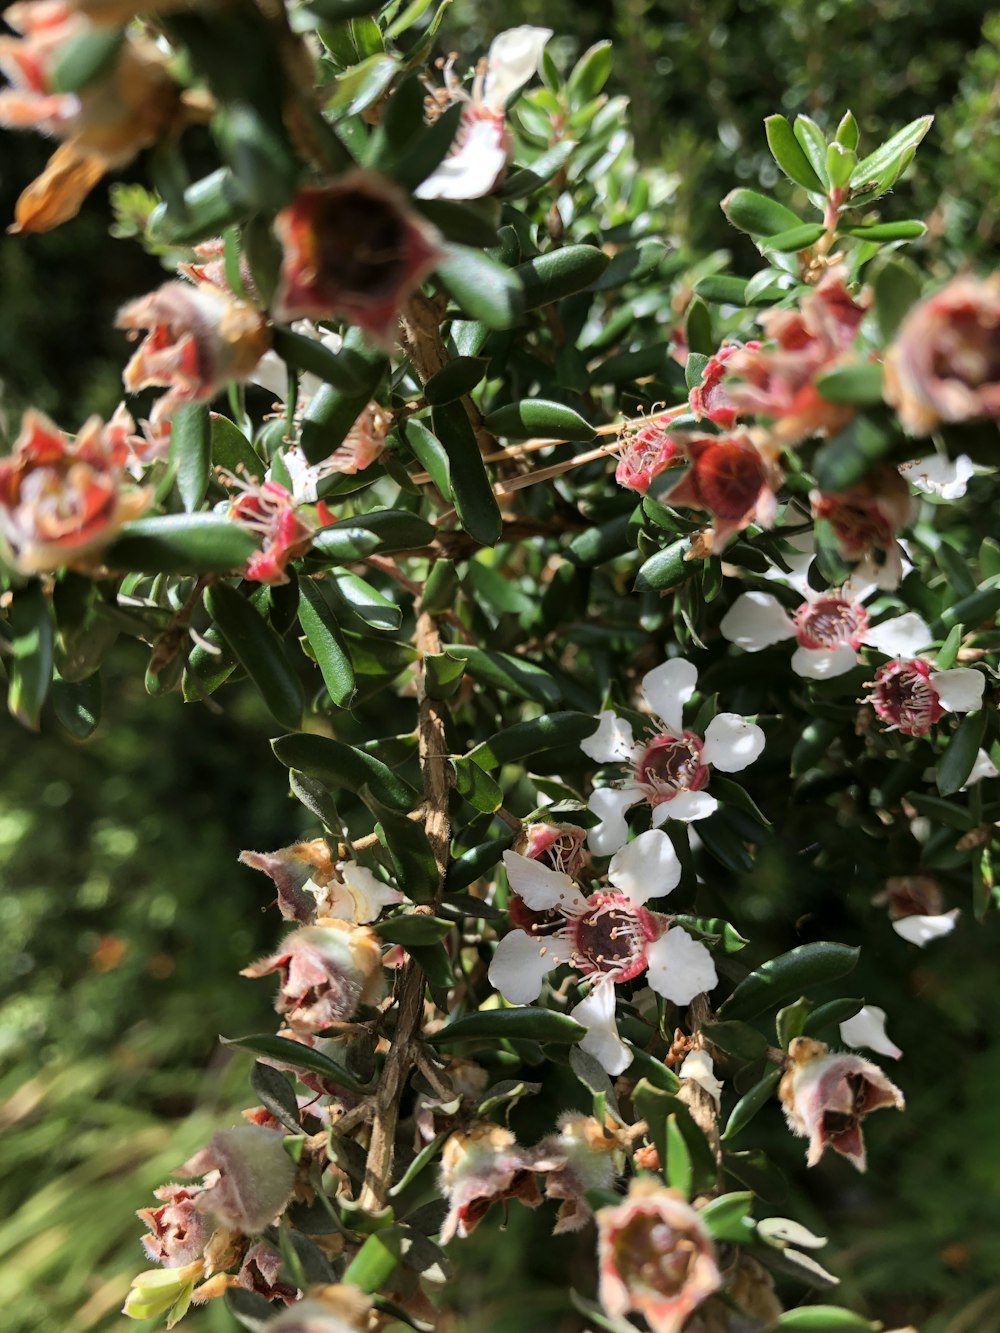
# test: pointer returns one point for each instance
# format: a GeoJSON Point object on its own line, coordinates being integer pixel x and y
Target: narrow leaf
{"type": "Point", "coordinates": [259, 652]}
{"type": "Point", "coordinates": [789, 974]}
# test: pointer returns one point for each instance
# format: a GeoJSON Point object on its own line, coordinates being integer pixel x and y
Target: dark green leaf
{"type": "Point", "coordinates": [738, 1039]}
{"type": "Point", "coordinates": [667, 569]}
{"type": "Point", "coordinates": [722, 289]}
{"type": "Point", "coordinates": [757, 214]}
{"type": "Point", "coordinates": [845, 459]}
{"type": "Point", "coordinates": [484, 289]}
{"type": "Point", "coordinates": [211, 205]}
{"type": "Point", "coordinates": [191, 452]}
{"type": "Point", "coordinates": [749, 1104]}
{"type": "Point", "coordinates": [799, 237]}
{"type": "Point", "coordinates": [32, 647]}
{"type": "Point", "coordinates": [414, 928]}
{"type": "Point", "coordinates": [501, 671]}
{"type": "Point", "coordinates": [476, 862]}
{"type": "Point", "coordinates": [542, 1025]}
{"type": "Point", "coordinates": [789, 974]}
{"type": "Point", "coordinates": [897, 289]}
{"type": "Point", "coordinates": [365, 601]}
{"type": "Point", "coordinates": [181, 544]}
{"type": "Point", "coordinates": [432, 453]}
{"type": "Point", "coordinates": [538, 416]}
{"type": "Point", "coordinates": [790, 1022]}
{"type": "Point", "coordinates": [341, 766]}
{"type": "Point", "coordinates": [589, 74]}
{"type": "Point", "coordinates": [232, 450]}
{"type": "Point", "coordinates": [858, 383]}
{"type": "Point", "coordinates": [82, 57]}
{"type": "Point", "coordinates": [813, 143]}
{"type": "Point", "coordinates": [456, 378]}
{"type": "Point", "coordinates": [332, 411]}
{"type": "Point", "coordinates": [888, 231]}
{"type": "Point", "coordinates": [77, 705]}
{"type": "Point", "coordinates": [955, 765]}
{"type": "Point", "coordinates": [560, 273]}
{"type": "Point", "coordinates": [405, 840]}
{"type": "Point", "coordinates": [276, 1095]}
{"type": "Point", "coordinates": [309, 354]}
{"type": "Point", "coordinates": [524, 740]}
{"type": "Point", "coordinates": [787, 152]}
{"type": "Point", "coordinates": [259, 652]}
{"type": "Point", "coordinates": [298, 1056]}
{"type": "Point", "coordinates": [471, 487]}
{"type": "Point", "coordinates": [478, 788]}
{"type": "Point", "coordinates": [678, 1171]}
{"type": "Point", "coordinates": [320, 627]}
{"type": "Point", "coordinates": [728, 1217]}
{"type": "Point", "coordinates": [698, 328]}
{"type": "Point", "coordinates": [830, 1015]}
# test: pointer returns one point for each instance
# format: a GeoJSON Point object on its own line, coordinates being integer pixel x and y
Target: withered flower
{"type": "Point", "coordinates": [479, 1168]}
{"type": "Point", "coordinates": [248, 1177]}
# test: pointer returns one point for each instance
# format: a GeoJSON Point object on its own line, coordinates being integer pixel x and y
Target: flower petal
{"type": "Point", "coordinates": [902, 636]}
{"type": "Point", "coordinates": [922, 929]}
{"type": "Point", "coordinates": [731, 743]}
{"type": "Point", "coordinates": [667, 688]}
{"type": "Point", "coordinates": [867, 1028]}
{"type": "Point", "coordinates": [959, 690]}
{"type": "Point", "coordinates": [699, 1069]}
{"type": "Point", "coordinates": [685, 807]}
{"type": "Point", "coordinates": [823, 663]}
{"type": "Point", "coordinates": [645, 868]}
{"type": "Point", "coordinates": [597, 1012]}
{"type": "Point", "coordinates": [984, 767]}
{"type": "Point", "coordinates": [611, 742]}
{"type": "Point", "coordinates": [610, 803]}
{"type": "Point", "coordinates": [680, 967]}
{"type": "Point", "coordinates": [520, 964]}
{"type": "Point", "coordinates": [937, 475]}
{"type": "Point", "coordinates": [512, 61]}
{"type": "Point", "coordinates": [755, 621]}
{"type": "Point", "coordinates": [472, 171]}
{"type": "Point", "coordinates": [541, 888]}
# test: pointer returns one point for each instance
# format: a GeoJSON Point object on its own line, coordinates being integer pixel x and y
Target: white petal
{"type": "Point", "coordinates": [512, 61]}
{"type": "Point", "coordinates": [360, 898]}
{"type": "Point", "coordinates": [597, 1012]}
{"type": "Point", "coordinates": [474, 170]}
{"type": "Point", "coordinates": [699, 1069]}
{"type": "Point", "coordinates": [959, 690]}
{"type": "Point", "coordinates": [755, 621]}
{"type": "Point", "coordinates": [867, 1028]}
{"type": "Point", "coordinates": [922, 929]}
{"type": "Point", "coordinates": [731, 743]}
{"type": "Point", "coordinates": [685, 807]}
{"type": "Point", "coordinates": [611, 742]}
{"type": "Point", "coordinates": [823, 663]}
{"type": "Point", "coordinates": [680, 967]}
{"type": "Point", "coordinates": [902, 636]}
{"type": "Point", "coordinates": [645, 868]}
{"type": "Point", "coordinates": [610, 803]}
{"type": "Point", "coordinates": [938, 475]}
{"type": "Point", "coordinates": [520, 964]}
{"type": "Point", "coordinates": [667, 688]}
{"type": "Point", "coordinates": [984, 767]}
{"type": "Point", "coordinates": [541, 888]}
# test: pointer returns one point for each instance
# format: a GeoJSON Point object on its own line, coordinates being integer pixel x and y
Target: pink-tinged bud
{"type": "Point", "coordinates": [868, 518]}
{"type": "Point", "coordinates": [198, 340]}
{"type": "Point", "coordinates": [711, 397]}
{"type": "Point", "coordinates": [270, 512]}
{"type": "Point", "coordinates": [561, 847]}
{"type": "Point", "coordinates": [777, 382]}
{"type": "Point", "coordinates": [480, 1168]}
{"type": "Point", "coordinates": [259, 1272]}
{"type": "Point", "coordinates": [731, 478]}
{"type": "Point", "coordinates": [248, 1177]}
{"type": "Point", "coordinates": [353, 249]}
{"type": "Point", "coordinates": [655, 1257]}
{"type": "Point", "coordinates": [60, 503]}
{"type": "Point", "coordinates": [178, 1231]}
{"type": "Point", "coordinates": [827, 1095]}
{"type": "Point", "coordinates": [326, 971]}
{"type": "Point", "coordinates": [646, 451]}
{"type": "Point", "coordinates": [582, 1156]}
{"type": "Point", "coordinates": [945, 362]}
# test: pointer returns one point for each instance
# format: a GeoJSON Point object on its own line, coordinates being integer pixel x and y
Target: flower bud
{"type": "Point", "coordinates": [326, 971]}
{"type": "Point", "coordinates": [655, 1257]}
{"type": "Point", "coordinates": [866, 519]}
{"type": "Point", "coordinates": [249, 1177]}
{"type": "Point", "coordinates": [480, 1168]}
{"type": "Point", "coordinates": [162, 1291]}
{"type": "Point", "coordinates": [61, 502]}
{"type": "Point", "coordinates": [826, 1096]}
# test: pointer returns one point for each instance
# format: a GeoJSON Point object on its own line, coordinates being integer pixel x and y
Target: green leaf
{"type": "Point", "coordinates": [339, 11]}
{"type": "Point", "coordinates": [255, 143]}
{"type": "Point", "coordinates": [413, 864]}
{"type": "Point", "coordinates": [849, 456]}
{"type": "Point", "coordinates": [309, 354]}
{"type": "Point", "coordinates": [848, 133]}
{"type": "Point", "coordinates": [298, 1056]}
{"type": "Point", "coordinates": [322, 632]}
{"type": "Point", "coordinates": [455, 379]}
{"type": "Point", "coordinates": [947, 655]}
{"type": "Point", "coordinates": [259, 651]}
{"type": "Point", "coordinates": [679, 1172]}
{"type": "Point", "coordinates": [471, 487]}
{"type": "Point", "coordinates": [886, 162]}
{"type": "Point", "coordinates": [538, 416]}
{"type": "Point", "coordinates": [789, 974]}
{"type": "Point", "coordinates": [721, 289]}
{"type": "Point", "coordinates": [731, 793]}
{"type": "Point", "coordinates": [668, 568]}
{"type": "Point", "coordinates": [698, 328]}
{"type": "Point", "coordinates": [750, 1103]}
{"type": "Point", "coordinates": [32, 646]}
{"type": "Point", "coordinates": [758, 1173]}
{"type": "Point", "coordinates": [376, 1261]}
{"type": "Point", "coordinates": [333, 411]}
{"type": "Point", "coordinates": [550, 277]}
{"type": "Point", "coordinates": [858, 383]}
{"type": "Point", "coordinates": [653, 1071]}
{"type": "Point", "coordinates": [728, 1217]}
{"type": "Point", "coordinates": [787, 152]}
{"type": "Point", "coordinates": [385, 530]}
{"type": "Point", "coordinates": [478, 788]}
{"type": "Point", "coordinates": [191, 452]}
{"type": "Point", "coordinates": [790, 1021]}
{"type": "Point", "coordinates": [432, 453]}
{"type": "Point", "coordinates": [596, 546]}
{"type": "Point", "coordinates": [81, 58]}
{"type": "Point", "coordinates": [484, 289]}
{"type": "Point", "coordinates": [657, 1107]}
{"type": "Point", "coordinates": [829, 1015]}
{"type": "Point", "coordinates": [473, 864]}
{"type": "Point", "coordinates": [181, 544]}
{"type": "Point", "coordinates": [232, 450]}
{"type": "Point", "coordinates": [757, 214]}
{"type": "Point", "coordinates": [738, 1039]}
{"type": "Point", "coordinates": [955, 765]}
{"type": "Point", "coordinates": [887, 231]}
{"type": "Point", "coordinates": [524, 1021]}
{"type": "Point", "coordinates": [812, 141]}
{"type": "Point", "coordinates": [365, 601]}
{"type": "Point", "coordinates": [276, 1095]}
{"type": "Point", "coordinates": [840, 162]}
{"type": "Point", "coordinates": [524, 740]}
{"type": "Point", "coordinates": [795, 238]}
{"type": "Point", "coordinates": [341, 766]}
{"type": "Point", "coordinates": [824, 1319]}
{"type": "Point", "coordinates": [501, 671]}
{"type": "Point", "coordinates": [211, 204]}
{"type": "Point", "coordinates": [589, 74]}
{"type": "Point", "coordinates": [77, 705]}
{"type": "Point", "coordinates": [897, 288]}
{"type": "Point", "coordinates": [364, 83]}
{"type": "Point", "coordinates": [413, 928]}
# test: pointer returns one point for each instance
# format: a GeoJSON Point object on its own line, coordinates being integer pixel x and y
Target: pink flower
{"type": "Point", "coordinates": [711, 397]}
{"type": "Point", "coordinates": [866, 520]}
{"type": "Point", "coordinates": [647, 449]}
{"type": "Point", "coordinates": [909, 695]}
{"type": "Point", "coordinates": [326, 971]}
{"type": "Point", "coordinates": [199, 339]}
{"type": "Point", "coordinates": [60, 503]}
{"type": "Point", "coordinates": [177, 1229]}
{"type": "Point", "coordinates": [945, 362]}
{"type": "Point", "coordinates": [731, 478]}
{"type": "Point", "coordinates": [479, 1168]}
{"type": "Point", "coordinates": [654, 1257]}
{"type": "Point", "coordinates": [353, 249]}
{"type": "Point", "coordinates": [271, 513]}
{"type": "Point", "coordinates": [778, 382]}
{"type": "Point", "coordinates": [827, 1095]}
{"type": "Point", "coordinates": [248, 1177]}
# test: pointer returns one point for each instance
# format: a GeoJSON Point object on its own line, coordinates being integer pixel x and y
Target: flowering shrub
{"type": "Point", "coordinates": [509, 556]}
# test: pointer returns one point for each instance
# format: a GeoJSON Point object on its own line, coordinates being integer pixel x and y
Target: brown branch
{"type": "Point", "coordinates": [701, 1104]}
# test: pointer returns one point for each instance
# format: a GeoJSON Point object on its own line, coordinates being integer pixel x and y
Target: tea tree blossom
{"type": "Point", "coordinates": [921, 929]}
{"type": "Point", "coordinates": [606, 937]}
{"type": "Point", "coordinates": [947, 478]}
{"type": "Point", "coordinates": [178, 1230]}
{"type": "Point", "coordinates": [582, 1155]}
{"type": "Point", "coordinates": [866, 521]}
{"type": "Point", "coordinates": [711, 399]}
{"type": "Point", "coordinates": [867, 1028]}
{"type": "Point", "coordinates": [910, 696]}
{"type": "Point", "coordinates": [310, 884]}
{"type": "Point", "coordinates": [826, 1096]}
{"type": "Point", "coordinates": [270, 512]}
{"type": "Point", "coordinates": [646, 449]}
{"type": "Point", "coordinates": [828, 627]}
{"type": "Point", "coordinates": [479, 156]}
{"type": "Point", "coordinates": [916, 908]}
{"type": "Point", "coordinates": [654, 1257]}
{"type": "Point", "coordinates": [480, 1167]}
{"type": "Point", "coordinates": [731, 478]}
{"type": "Point", "coordinates": [669, 769]}
{"type": "Point", "coordinates": [326, 970]}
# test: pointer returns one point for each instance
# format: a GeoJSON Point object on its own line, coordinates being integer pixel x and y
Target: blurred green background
{"type": "Point", "coordinates": [125, 917]}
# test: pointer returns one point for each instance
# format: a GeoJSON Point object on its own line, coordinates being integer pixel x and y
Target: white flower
{"type": "Point", "coordinates": [699, 1069]}
{"type": "Point", "coordinates": [984, 767]}
{"type": "Point", "coordinates": [867, 1028]}
{"type": "Point", "coordinates": [921, 930]}
{"type": "Point", "coordinates": [479, 155]}
{"type": "Point", "coordinates": [360, 897]}
{"type": "Point", "coordinates": [608, 937]}
{"type": "Point", "coordinates": [668, 770]}
{"type": "Point", "coordinates": [911, 696]}
{"type": "Point", "coordinates": [829, 628]}
{"type": "Point", "coordinates": [937, 475]}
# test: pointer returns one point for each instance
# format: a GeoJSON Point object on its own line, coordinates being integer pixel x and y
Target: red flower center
{"type": "Point", "coordinates": [730, 478]}
{"type": "Point", "coordinates": [830, 622]}
{"type": "Point", "coordinates": [650, 1254]}
{"type": "Point", "coordinates": [858, 525]}
{"type": "Point", "coordinates": [671, 764]}
{"type": "Point", "coordinates": [610, 937]}
{"type": "Point", "coordinates": [532, 921]}
{"type": "Point", "coordinates": [903, 696]}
